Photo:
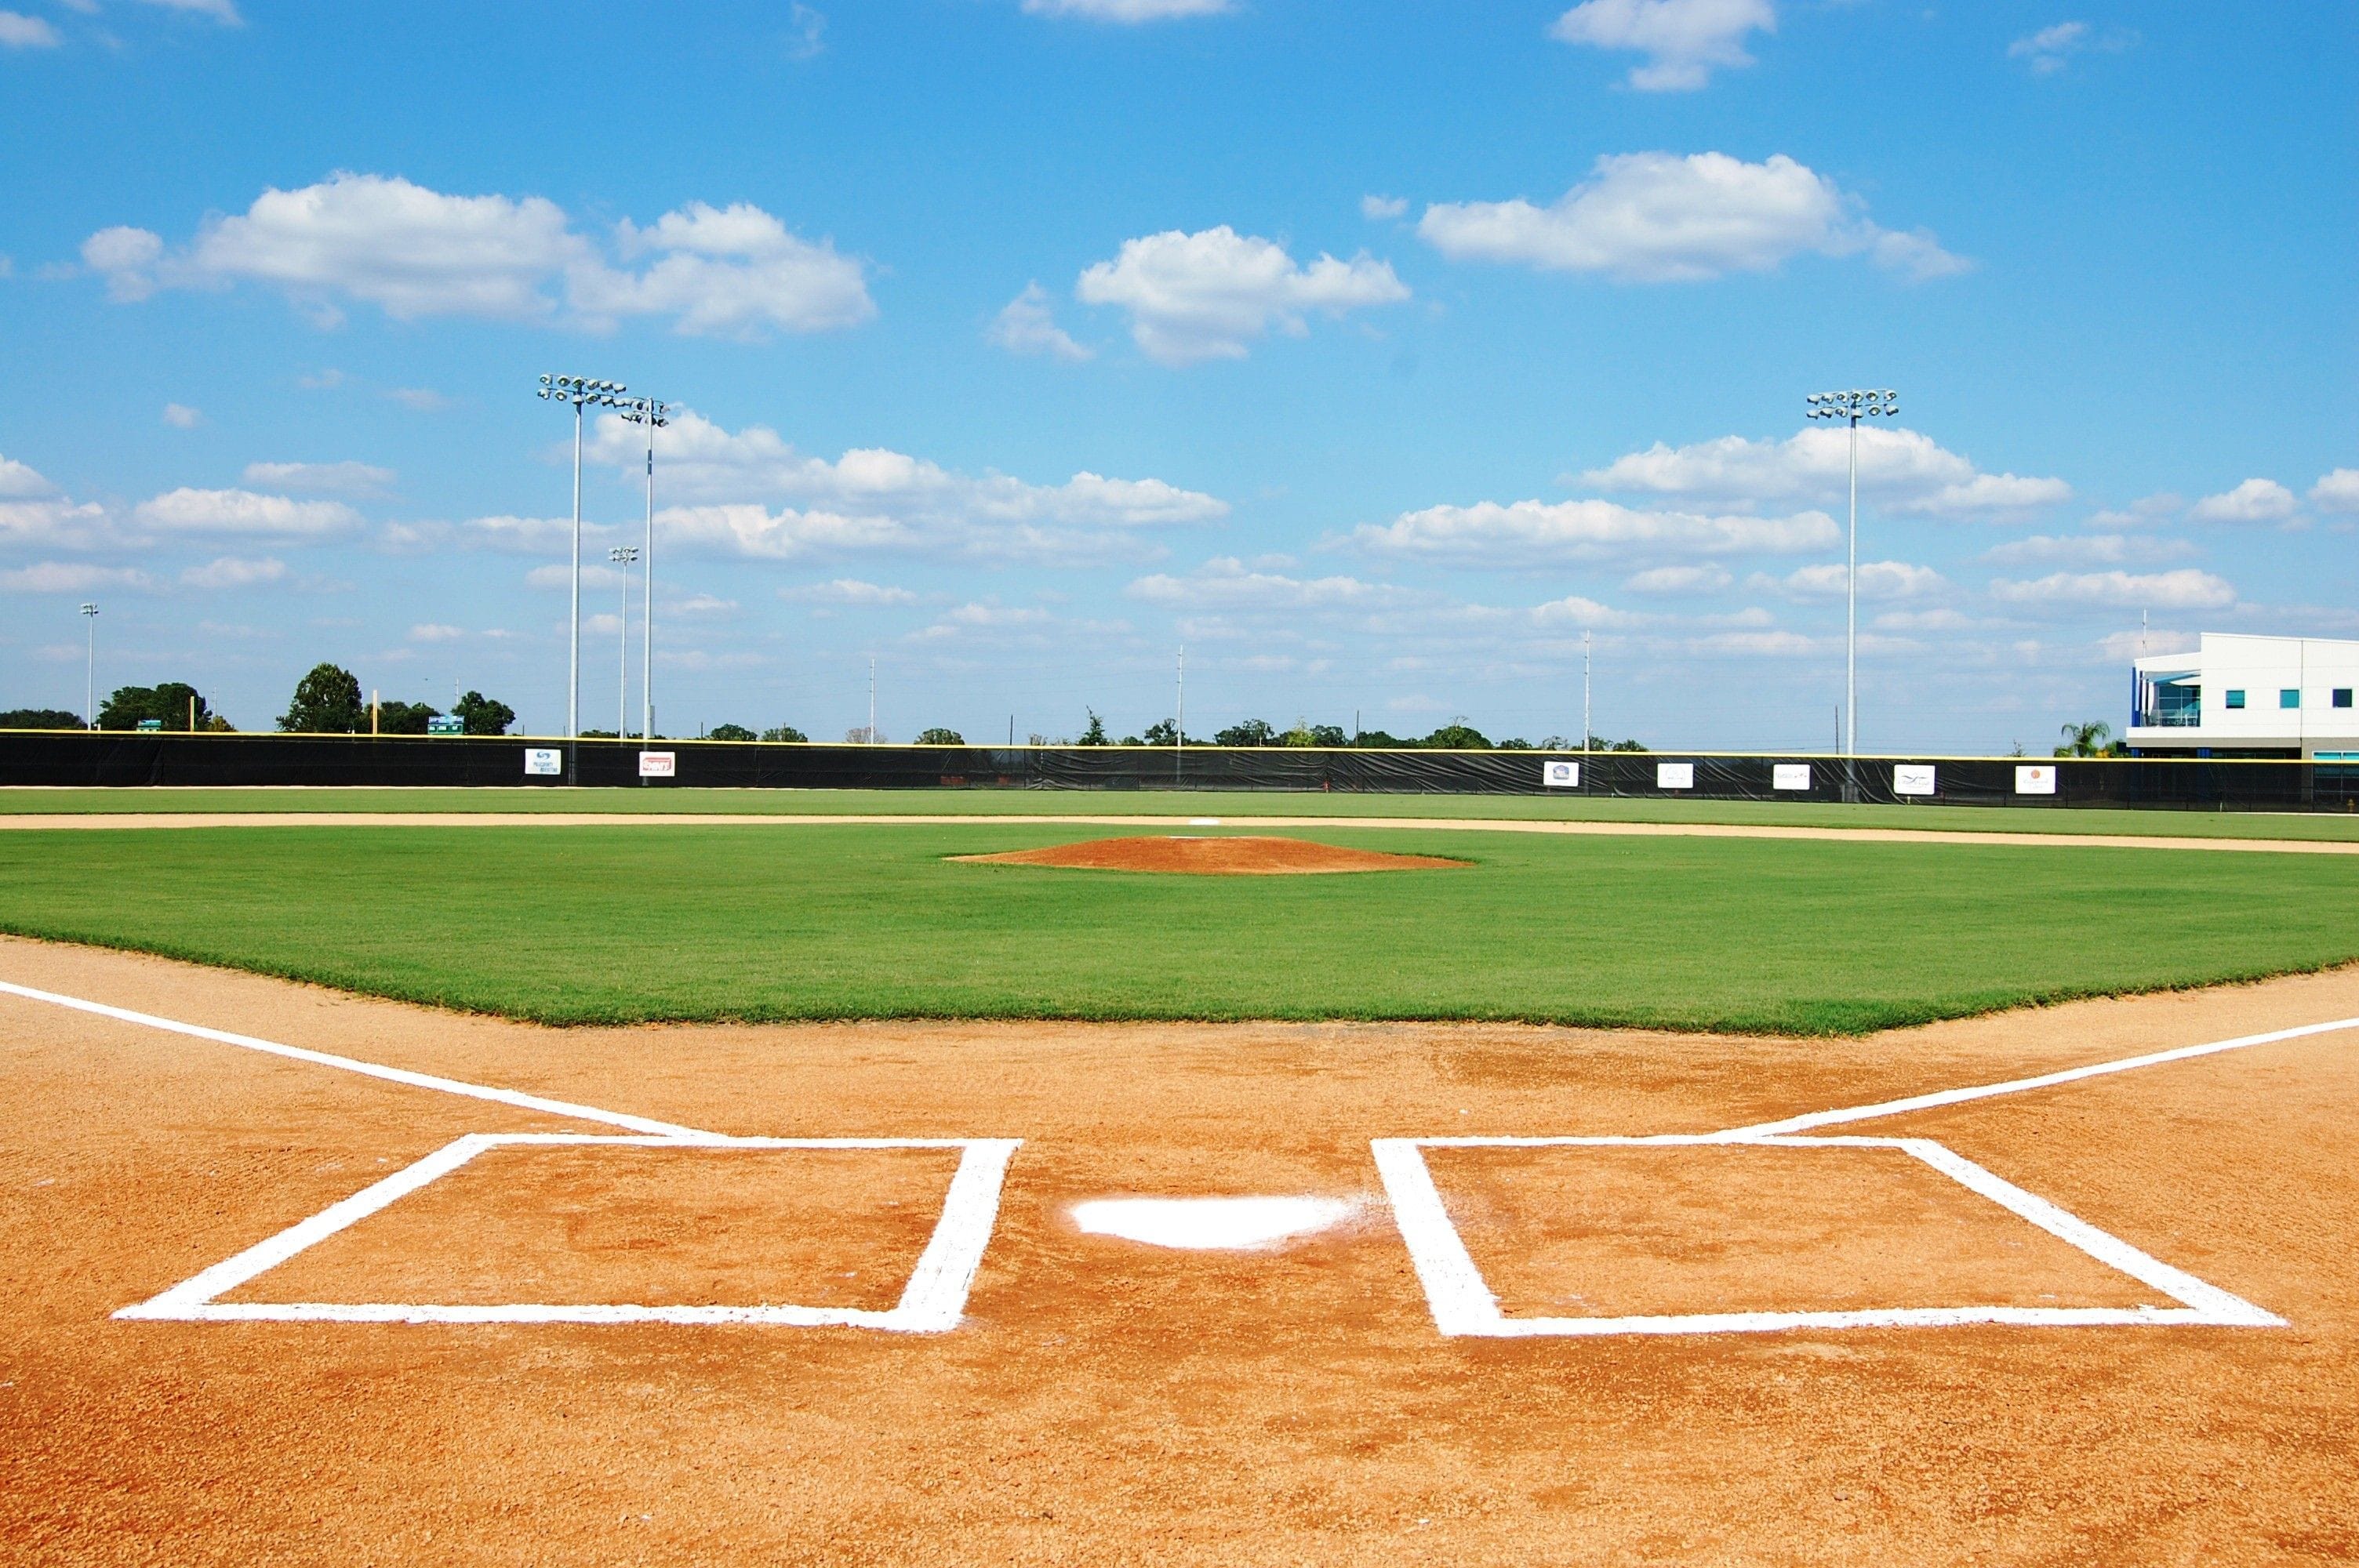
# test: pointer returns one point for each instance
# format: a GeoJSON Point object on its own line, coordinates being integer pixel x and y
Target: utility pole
{"type": "Point", "coordinates": [654, 414]}
{"type": "Point", "coordinates": [1585, 730]}
{"type": "Point", "coordinates": [872, 699]}
{"type": "Point", "coordinates": [622, 555]}
{"type": "Point", "coordinates": [1179, 720]}
{"type": "Point", "coordinates": [1853, 406]}
{"type": "Point", "coordinates": [90, 669]}
{"type": "Point", "coordinates": [579, 392]}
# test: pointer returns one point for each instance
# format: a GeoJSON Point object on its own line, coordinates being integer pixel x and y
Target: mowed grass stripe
{"type": "Point", "coordinates": [599, 924]}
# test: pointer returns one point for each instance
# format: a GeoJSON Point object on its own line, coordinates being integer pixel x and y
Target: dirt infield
{"type": "Point", "coordinates": [1103, 1400]}
{"type": "Point", "coordinates": [1215, 857]}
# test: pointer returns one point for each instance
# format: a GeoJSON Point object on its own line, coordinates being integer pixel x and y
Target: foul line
{"type": "Point", "coordinates": [2017, 1085]}
{"type": "Point", "coordinates": [366, 1070]}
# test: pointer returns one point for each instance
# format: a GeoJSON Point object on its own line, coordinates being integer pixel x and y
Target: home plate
{"type": "Point", "coordinates": [1202, 1224]}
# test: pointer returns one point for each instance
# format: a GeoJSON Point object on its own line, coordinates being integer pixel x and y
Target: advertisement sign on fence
{"type": "Point", "coordinates": [1561, 776]}
{"type": "Point", "coordinates": [1675, 776]}
{"type": "Point", "coordinates": [2040, 780]}
{"type": "Point", "coordinates": [1913, 778]}
{"type": "Point", "coordinates": [658, 764]}
{"type": "Point", "coordinates": [544, 761]}
{"type": "Point", "coordinates": [1789, 775]}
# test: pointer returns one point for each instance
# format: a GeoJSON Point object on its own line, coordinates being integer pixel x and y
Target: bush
{"type": "Point", "coordinates": [327, 702]}
{"type": "Point", "coordinates": [404, 718]}
{"type": "Point", "coordinates": [730, 732]}
{"type": "Point", "coordinates": [941, 737]}
{"type": "Point", "coordinates": [784, 732]}
{"type": "Point", "coordinates": [38, 719]}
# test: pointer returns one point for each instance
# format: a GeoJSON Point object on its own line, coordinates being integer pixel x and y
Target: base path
{"type": "Point", "coordinates": [100, 821]}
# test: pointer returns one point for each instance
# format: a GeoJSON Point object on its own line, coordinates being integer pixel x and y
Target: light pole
{"type": "Point", "coordinates": [581, 392]}
{"type": "Point", "coordinates": [1853, 407]}
{"type": "Point", "coordinates": [654, 415]}
{"type": "Point", "coordinates": [90, 670]}
{"type": "Point", "coordinates": [622, 555]}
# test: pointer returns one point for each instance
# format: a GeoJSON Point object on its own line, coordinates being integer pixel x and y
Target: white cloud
{"type": "Point", "coordinates": [432, 632]}
{"type": "Point", "coordinates": [2336, 492]}
{"type": "Point", "coordinates": [1227, 583]}
{"type": "Point", "coordinates": [1683, 39]}
{"type": "Point", "coordinates": [1900, 469]}
{"type": "Point", "coordinates": [2255, 501]}
{"type": "Point", "coordinates": [20, 480]}
{"type": "Point", "coordinates": [847, 590]}
{"type": "Point", "coordinates": [1705, 578]}
{"type": "Point", "coordinates": [562, 576]}
{"type": "Point", "coordinates": [701, 604]}
{"type": "Point", "coordinates": [1209, 294]}
{"type": "Point", "coordinates": [2138, 513]}
{"type": "Point", "coordinates": [2048, 51]}
{"type": "Point", "coordinates": [180, 417]}
{"type": "Point", "coordinates": [186, 511]}
{"type": "Point", "coordinates": [806, 32]}
{"type": "Point", "coordinates": [229, 571]}
{"type": "Point", "coordinates": [420, 399]}
{"type": "Point", "coordinates": [1877, 579]}
{"type": "Point", "coordinates": [56, 522]}
{"type": "Point", "coordinates": [2121, 647]}
{"type": "Point", "coordinates": [72, 576]}
{"type": "Point", "coordinates": [221, 11]}
{"type": "Point", "coordinates": [2186, 589]}
{"type": "Point", "coordinates": [19, 31]}
{"type": "Point", "coordinates": [333, 478]}
{"type": "Point", "coordinates": [1538, 531]}
{"type": "Point", "coordinates": [1756, 645]}
{"type": "Point", "coordinates": [1912, 620]}
{"type": "Point", "coordinates": [1128, 11]}
{"type": "Point", "coordinates": [2085, 549]}
{"type": "Point", "coordinates": [1027, 325]}
{"type": "Point", "coordinates": [1659, 218]}
{"type": "Point", "coordinates": [412, 252]}
{"type": "Point", "coordinates": [1574, 611]}
{"type": "Point", "coordinates": [1377, 207]}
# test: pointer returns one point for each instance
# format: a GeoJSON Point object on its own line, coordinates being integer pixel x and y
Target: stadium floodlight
{"type": "Point", "coordinates": [581, 393]}
{"type": "Point", "coordinates": [622, 555]}
{"type": "Point", "coordinates": [90, 670]}
{"type": "Point", "coordinates": [655, 415]}
{"type": "Point", "coordinates": [1851, 407]}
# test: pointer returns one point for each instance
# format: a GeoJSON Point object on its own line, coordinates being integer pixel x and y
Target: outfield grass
{"type": "Point", "coordinates": [1189, 803]}
{"type": "Point", "coordinates": [598, 925]}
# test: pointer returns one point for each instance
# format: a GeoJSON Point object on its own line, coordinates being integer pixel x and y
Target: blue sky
{"type": "Point", "coordinates": [1374, 352]}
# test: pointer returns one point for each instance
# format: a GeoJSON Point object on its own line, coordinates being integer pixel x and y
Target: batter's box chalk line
{"type": "Point", "coordinates": [1464, 1306]}
{"type": "Point", "coordinates": [931, 1303]}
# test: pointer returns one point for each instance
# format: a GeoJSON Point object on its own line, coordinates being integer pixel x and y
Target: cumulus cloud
{"type": "Point", "coordinates": [72, 576]}
{"type": "Point", "coordinates": [848, 591]}
{"type": "Point", "coordinates": [229, 571]}
{"type": "Point", "coordinates": [1027, 325]}
{"type": "Point", "coordinates": [19, 480]}
{"type": "Point", "coordinates": [1900, 469]}
{"type": "Point", "coordinates": [1210, 295]}
{"type": "Point", "coordinates": [1377, 207]}
{"type": "Point", "coordinates": [1527, 532]}
{"type": "Point", "coordinates": [245, 512]}
{"type": "Point", "coordinates": [2336, 492]}
{"type": "Point", "coordinates": [33, 514]}
{"type": "Point", "coordinates": [180, 417]}
{"type": "Point", "coordinates": [1127, 11]}
{"type": "Point", "coordinates": [1705, 578]}
{"type": "Point", "coordinates": [2255, 501]}
{"type": "Point", "coordinates": [436, 633]}
{"type": "Point", "coordinates": [1683, 41]}
{"type": "Point", "coordinates": [1877, 579]}
{"type": "Point", "coordinates": [1660, 218]}
{"type": "Point", "coordinates": [221, 11]}
{"type": "Point", "coordinates": [330, 479]}
{"type": "Point", "coordinates": [2186, 589]}
{"type": "Point", "coordinates": [732, 271]}
{"type": "Point", "coordinates": [2049, 49]}
{"type": "Point", "coordinates": [19, 31]}
{"type": "Point", "coordinates": [1227, 583]}
{"type": "Point", "coordinates": [2085, 549]}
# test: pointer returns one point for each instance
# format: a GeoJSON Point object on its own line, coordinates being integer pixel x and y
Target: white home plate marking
{"type": "Point", "coordinates": [1205, 1224]}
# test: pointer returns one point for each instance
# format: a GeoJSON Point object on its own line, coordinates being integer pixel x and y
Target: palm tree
{"type": "Point", "coordinates": [2085, 739]}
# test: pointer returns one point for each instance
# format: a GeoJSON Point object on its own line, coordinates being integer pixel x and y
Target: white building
{"type": "Point", "coordinates": [2249, 697]}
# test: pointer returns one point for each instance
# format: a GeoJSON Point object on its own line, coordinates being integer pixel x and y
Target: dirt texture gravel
{"type": "Point", "coordinates": [1105, 1402]}
{"type": "Point", "coordinates": [1215, 857]}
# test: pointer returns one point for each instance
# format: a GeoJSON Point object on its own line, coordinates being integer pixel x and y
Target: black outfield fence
{"type": "Point", "coordinates": [76, 758]}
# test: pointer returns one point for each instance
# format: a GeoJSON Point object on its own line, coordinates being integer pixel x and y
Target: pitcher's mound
{"type": "Point", "coordinates": [1237, 856]}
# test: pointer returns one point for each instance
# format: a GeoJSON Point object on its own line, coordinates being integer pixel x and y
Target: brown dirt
{"type": "Point", "coordinates": [1215, 857]}
{"type": "Point", "coordinates": [1109, 1402]}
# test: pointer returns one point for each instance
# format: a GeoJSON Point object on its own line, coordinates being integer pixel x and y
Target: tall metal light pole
{"type": "Point", "coordinates": [655, 415]}
{"type": "Point", "coordinates": [622, 555]}
{"type": "Point", "coordinates": [581, 392]}
{"type": "Point", "coordinates": [1853, 407]}
{"type": "Point", "coordinates": [1585, 730]}
{"type": "Point", "coordinates": [90, 670]}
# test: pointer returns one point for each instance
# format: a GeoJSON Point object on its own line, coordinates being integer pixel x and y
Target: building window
{"type": "Point", "coordinates": [2235, 697]}
{"type": "Point", "coordinates": [2289, 696]}
{"type": "Point", "coordinates": [2342, 697]}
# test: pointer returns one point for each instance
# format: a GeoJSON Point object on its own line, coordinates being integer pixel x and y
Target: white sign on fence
{"type": "Point", "coordinates": [1561, 776]}
{"type": "Point", "coordinates": [543, 761]}
{"type": "Point", "coordinates": [1675, 776]}
{"type": "Point", "coordinates": [1789, 775]}
{"type": "Point", "coordinates": [658, 764]}
{"type": "Point", "coordinates": [1913, 778]}
{"type": "Point", "coordinates": [2040, 780]}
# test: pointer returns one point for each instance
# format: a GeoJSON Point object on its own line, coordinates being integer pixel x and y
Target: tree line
{"type": "Point", "coordinates": [327, 702]}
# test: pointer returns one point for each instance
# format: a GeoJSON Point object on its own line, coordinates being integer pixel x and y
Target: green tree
{"type": "Point", "coordinates": [38, 719]}
{"type": "Point", "coordinates": [938, 736]}
{"type": "Point", "coordinates": [1623, 746]}
{"type": "Point", "coordinates": [327, 702]}
{"type": "Point", "coordinates": [397, 718]}
{"type": "Point", "coordinates": [1251, 732]}
{"type": "Point", "coordinates": [1095, 734]}
{"type": "Point", "coordinates": [1381, 740]}
{"type": "Point", "coordinates": [2086, 739]}
{"type": "Point", "coordinates": [784, 732]}
{"type": "Point", "coordinates": [481, 716]}
{"type": "Point", "coordinates": [731, 732]}
{"type": "Point", "coordinates": [1457, 736]}
{"type": "Point", "coordinates": [171, 705]}
{"type": "Point", "coordinates": [1159, 733]}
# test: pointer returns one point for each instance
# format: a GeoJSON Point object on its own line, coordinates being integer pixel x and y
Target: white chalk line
{"type": "Point", "coordinates": [931, 1301]}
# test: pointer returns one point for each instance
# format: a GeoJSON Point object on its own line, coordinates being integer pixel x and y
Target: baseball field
{"type": "Point", "coordinates": [520, 1177]}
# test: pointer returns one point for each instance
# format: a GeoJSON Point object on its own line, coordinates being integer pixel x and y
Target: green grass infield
{"type": "Point", "coordinates": [2165, 823]}
{"type": "Point", "coordinates": [602, 925]}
